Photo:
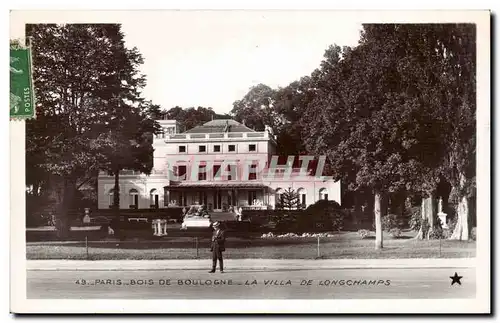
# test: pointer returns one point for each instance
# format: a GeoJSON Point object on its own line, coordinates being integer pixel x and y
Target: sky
{"type": "Point", "coordinates": [212, 59]}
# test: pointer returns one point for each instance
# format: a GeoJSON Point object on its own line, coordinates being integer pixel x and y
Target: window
{"type": "Point", "coordinates": [153, 199]}
{"type": "Point", "coordinates": [134, 198]}
{"type": "Point", "coordinates": [252, 147]}
{"type": "Point", "coordinates": [111, 197]}
{"type": "Point", "coordinates": [181, 171]}
{"type": "Point", "coordinates": [202, 173]}
{"type": "Point", "coordinates": [182, 149]}
{"type": "Point", "coordinates": [216, 170]}
{"type": "Point", "coordinates": [252, 172]}
{"type": "Point", "coordinates": [252, 197]}
{"type": "Point", "coordinates": [202, 149]}
{"type": "Point", "coordinates": [230, 169]}
{"type": "Point", "coordinates": [232, 148]}
{"type": "Point", "coordinates": [217, 148]}
{"type": "Point", "coordinates": [323, 194]}
{"type": "Point", "coordinates": [302, 196]}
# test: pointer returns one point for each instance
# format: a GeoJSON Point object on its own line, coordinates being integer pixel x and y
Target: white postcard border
{"type": "Point", "coordinates": [19, 303]}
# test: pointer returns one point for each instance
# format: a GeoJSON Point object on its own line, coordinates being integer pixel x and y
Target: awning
{"type": "Point", "coordinates": [221, 185]}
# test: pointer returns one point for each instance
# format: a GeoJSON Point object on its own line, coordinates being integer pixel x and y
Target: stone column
{"type": "Point", "coordinates": [263, 196]}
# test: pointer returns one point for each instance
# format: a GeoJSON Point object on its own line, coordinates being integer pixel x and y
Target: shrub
{"type": "Point", "coordinates": [363, 233]}
{"type": "Point", "coordinates": [395, 233]}
{"type": "Point", "coordinates": [325, 214]}
{"type": "Point", "coordinates": [473, 234]}
{"type": "Point", "coordinates": [415, 218]}
{"type": "Point", "coordinates": [437, 233]}
{"type": "Point", "coordinates": [285, 222]}
{"type": "Point", "coordinates": [390, 221]}
{"type": "Point", "coordinates": [452, 223]}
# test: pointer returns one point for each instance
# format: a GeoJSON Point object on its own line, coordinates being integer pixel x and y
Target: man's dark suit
{"type": "Point", "coordinates": [217, 247]}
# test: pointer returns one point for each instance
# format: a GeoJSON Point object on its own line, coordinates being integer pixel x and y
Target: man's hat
{"type": "Point", "coordinates": [216, 224]}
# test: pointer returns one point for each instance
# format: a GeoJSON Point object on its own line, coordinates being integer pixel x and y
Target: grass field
{"type": "Point", "coordinates": [346, 245]}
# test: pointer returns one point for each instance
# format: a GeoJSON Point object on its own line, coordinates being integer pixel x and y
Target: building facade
{"type": "Point", "coordinates": [220, 164]}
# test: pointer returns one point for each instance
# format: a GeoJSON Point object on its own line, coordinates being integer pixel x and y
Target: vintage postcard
{"type": "Point", "coordinates": [250, 161]}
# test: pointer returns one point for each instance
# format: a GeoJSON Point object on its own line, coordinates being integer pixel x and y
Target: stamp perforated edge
{"type": "Point", "coordinates": [19, 43]}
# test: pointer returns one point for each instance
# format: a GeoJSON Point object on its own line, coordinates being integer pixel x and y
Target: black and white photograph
{"type": "Point", "coordinates": [250, 161]}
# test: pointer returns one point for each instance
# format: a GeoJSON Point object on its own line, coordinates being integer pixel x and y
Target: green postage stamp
{"type": "Point", "coordinates": [22, 99]}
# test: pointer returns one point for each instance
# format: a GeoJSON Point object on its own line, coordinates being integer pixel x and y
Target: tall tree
{"type": "Point", "coordinates": [456, 116]}
{"type": "Point", "coordinates": [85, 79]}
{"type": "Point", "coordinates": [438, 70]}
{"type": "Point", "coordinates": [290, 199]}
{"type": "Point", "coordinates": [363, 124]}
{"type": "Point", "coordinates": [398, 112]}
{"type": "Point", "coordinates": [256, 110]}
{"type": "Point", "coordinates": [127, 145]}
{"type": "Point", "coordinates": [192, 117]}
{"type": "Point", "coordinates": [291, 103]}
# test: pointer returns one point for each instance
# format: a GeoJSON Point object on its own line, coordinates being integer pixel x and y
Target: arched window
{"type": "Point", "coordinates": [323, 194]}
{"type": "Point", "coordinates": [302, 196]}
{"type": "Point", "coordinates": [154, 199]}
{"type": "Point", "coordinates": [278, 197]}
{"type": "Point", "coordinates": [111, 196]}
{"type": "Point", "coordinates": [134, 198]}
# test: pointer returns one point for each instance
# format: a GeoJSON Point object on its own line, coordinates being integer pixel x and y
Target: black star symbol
{"type": "Point", "coordinates": [456, 279]}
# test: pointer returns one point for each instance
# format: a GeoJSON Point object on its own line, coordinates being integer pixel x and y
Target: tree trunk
{"type": "Point", "coordinates": [423, 212]}
{"type": "Point", "coordinates": [420, 233]}
{"type": "Point", "coordinates": [431, 213]}
{"type": "Point", "coordinates": [378, 221]}
{"type": "Point", "coordinates": [357, 214]}
{"type": "Point", "coordinates": [461, 231]}
{"type": "Point", "coordinates": [116, 194]}
{"type": "Point", "coordinates": [428, 213]}
{"type": "Point", "coordinates": [62, 215]}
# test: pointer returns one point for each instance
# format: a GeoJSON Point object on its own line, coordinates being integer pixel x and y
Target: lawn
{"type": "Point", "coordinates": [346, 245]}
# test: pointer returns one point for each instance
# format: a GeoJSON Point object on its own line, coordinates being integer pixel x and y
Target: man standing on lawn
{"type": "Point", "coordinates": [217, 247]}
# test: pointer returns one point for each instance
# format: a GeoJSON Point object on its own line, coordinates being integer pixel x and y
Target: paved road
{"type": "Point", "coordinates": [251, 284]}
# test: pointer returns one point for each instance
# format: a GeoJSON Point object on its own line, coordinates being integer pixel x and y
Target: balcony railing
{"type": "Point", "coordinates": [127, 172]}
{"type": "Point", "coordinates": [224, 135]}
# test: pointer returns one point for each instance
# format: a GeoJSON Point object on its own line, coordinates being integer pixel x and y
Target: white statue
{"type": "Point", "coordinates": [441, 214]}
{"type": "Point", "coordinates": [86, 217]}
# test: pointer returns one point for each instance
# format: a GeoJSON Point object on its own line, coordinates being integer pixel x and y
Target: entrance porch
{"type": "Point", "coordinates": [218, 197]}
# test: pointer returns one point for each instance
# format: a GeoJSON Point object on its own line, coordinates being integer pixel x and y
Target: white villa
{"type": "Point", "coordinates": [221, 163]}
